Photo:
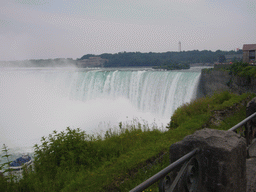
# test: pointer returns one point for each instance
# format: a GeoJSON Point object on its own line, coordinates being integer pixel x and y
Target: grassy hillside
{"type": "Point", "coordinates": [122, 159]}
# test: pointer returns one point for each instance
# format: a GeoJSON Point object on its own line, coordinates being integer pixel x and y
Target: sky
{"type": "Point", "coordinates": [47, 29]}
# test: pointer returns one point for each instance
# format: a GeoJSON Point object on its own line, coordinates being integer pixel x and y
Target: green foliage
{"type": "Point", "coordinates": [248, 71]}
{"type": "Point", "coordinates": [8, 181]}
{"type": "Point", "coordinates": [74, 149]}
{"type": "Point", "coordinates": [62, 155]}
{"type": "Point", "coordinates": [136, 59]}
{"type": "Point", "coordinates": [186, 111]}
{"type": "Point", "coordinates": [222, 58]}
{"type": "Point", "coordinates": [173, 66]}
{"type": "Point", "coordinates": [66, 150]}
{"type": "Point", "coordinates": [207, 70]}
{"type": "Point", "coordinates": [238, 67]}
{"type": "Point", "coordinates": [204, 107]}
{"type": "Point", "coordinates": [232, 120]}
{"type": "Point", "coordinates": [243, 70]}
{"type": "Point", "coordinates": [74, 161]}
{"type": "Point", "coordinates": [6, 156]}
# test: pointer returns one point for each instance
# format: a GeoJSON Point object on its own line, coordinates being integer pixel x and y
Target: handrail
{"type": "Point", "coordinates": [242, 122]}
{"type": "Point", "coordinates": [248, 131]}
{"type": "Point", "coordinates": [186, 158]}
{"type": "Point", "coordinates": [164, 172]}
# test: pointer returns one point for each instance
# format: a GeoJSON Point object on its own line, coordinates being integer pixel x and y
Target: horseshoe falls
{"type": "Point", "coordinates": [34, 102]}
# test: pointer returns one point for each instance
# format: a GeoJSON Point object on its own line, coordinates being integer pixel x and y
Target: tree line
{"type": "Point", "coordinates": [166, 60]}
{"type": "Point", "coordinates": [151, 59]}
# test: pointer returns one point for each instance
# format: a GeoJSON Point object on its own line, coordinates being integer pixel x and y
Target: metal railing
{"type": "Point", "coordinates": [248, 131]}
{"type": "Point", "coordinates": [190, 170]}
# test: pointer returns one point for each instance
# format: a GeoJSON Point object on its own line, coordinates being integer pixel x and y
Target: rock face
{"type": "Point", "coordinates": [217, 80]}
{"type": "Point", "coordinates": [213, 81]}
{"type": "Point", "coordinates": [242, 84]}
{"type": "Point", "coordinates": [221, 160]}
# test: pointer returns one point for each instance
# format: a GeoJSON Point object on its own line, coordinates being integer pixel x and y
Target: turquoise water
{"type": "Point", "coordinates": [34, 102]}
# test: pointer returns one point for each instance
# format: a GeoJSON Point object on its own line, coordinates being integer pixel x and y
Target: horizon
{"type": "Point", "coordinates": [43, 29]}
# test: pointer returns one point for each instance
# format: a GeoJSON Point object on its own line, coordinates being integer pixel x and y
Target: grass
{"type": "Point", "coordinates": [122, 159]}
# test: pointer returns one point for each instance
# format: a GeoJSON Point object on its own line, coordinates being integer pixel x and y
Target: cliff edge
{"type": "Point", "coordinates": [216, 80]}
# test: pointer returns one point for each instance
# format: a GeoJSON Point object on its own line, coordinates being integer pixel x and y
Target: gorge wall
{"type": "Point", "coordinates": [219, 80]}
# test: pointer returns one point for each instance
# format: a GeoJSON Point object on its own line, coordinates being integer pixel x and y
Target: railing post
{"type": "Point", "coordinates": [222, 160]}
{"type": "Point", "coordinates": [248, 130]}
{"type": "Point", "coordinates": [221, 164]}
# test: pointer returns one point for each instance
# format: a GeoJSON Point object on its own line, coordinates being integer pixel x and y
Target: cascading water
{"type": "Point", "coordinates": [34, 102]}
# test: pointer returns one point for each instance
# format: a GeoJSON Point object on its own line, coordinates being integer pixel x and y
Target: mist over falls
{"type": "Point", "coordinates": [34, 102]}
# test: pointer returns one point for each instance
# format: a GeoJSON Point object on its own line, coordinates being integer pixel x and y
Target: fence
{"type": "Point", "coordinates": [248, 131]}
{"type": "Point", "coordinates": [189, 171]}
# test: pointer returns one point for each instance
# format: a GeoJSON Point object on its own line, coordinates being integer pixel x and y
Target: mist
{"type": "Point", "coordinates": [36, 101]}
{"type": "Point", "coordinates": [39, 63]}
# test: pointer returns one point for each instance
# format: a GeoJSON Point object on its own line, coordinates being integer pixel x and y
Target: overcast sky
{"type": "Point", "coordinates": [42, 29]}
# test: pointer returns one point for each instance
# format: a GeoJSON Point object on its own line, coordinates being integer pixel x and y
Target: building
{"type": "Point", "coordinates": [249, 53]}
{"type": "Point", "coordinates": [92, 62]}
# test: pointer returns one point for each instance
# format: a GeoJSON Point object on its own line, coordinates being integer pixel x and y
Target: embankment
{"type": "Point", "coordinates": [216, 80]}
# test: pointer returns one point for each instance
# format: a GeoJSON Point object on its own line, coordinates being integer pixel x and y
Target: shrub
{"type": "Point", "coordinates": [8, 181]}
{"type": "Point", "coordinates": [204, 106]}
{"type": "Point", "coordinates": [66, 150]}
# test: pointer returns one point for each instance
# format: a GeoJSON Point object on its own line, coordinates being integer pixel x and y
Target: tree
{"type": "Point", "coordinates": [222, 58]}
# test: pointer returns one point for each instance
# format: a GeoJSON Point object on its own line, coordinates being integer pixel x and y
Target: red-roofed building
{"type": "Point", "coordinates": [249, 53]}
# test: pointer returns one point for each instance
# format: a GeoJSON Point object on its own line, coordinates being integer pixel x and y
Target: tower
{"type": "Point", "coordinates": [179, 46]}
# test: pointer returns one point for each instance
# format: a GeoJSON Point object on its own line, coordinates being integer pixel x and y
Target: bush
{"type": "Point", "coordinates": [63, 150]}
{"type": "Point", "coordinates": [204, 106]}
{"type": "Point", "coordinates": [240, 68]}
{"type": "Point", "coordinates": [74, 161]}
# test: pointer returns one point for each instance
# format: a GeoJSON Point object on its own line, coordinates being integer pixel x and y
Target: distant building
{"type": "Point", "coordinates": [249, 53]}
{"type": "Point", "coordinates": [92, 62]}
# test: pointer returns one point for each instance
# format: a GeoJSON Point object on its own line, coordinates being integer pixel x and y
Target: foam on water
{"type": "Point", "coordinates": [34, 102]}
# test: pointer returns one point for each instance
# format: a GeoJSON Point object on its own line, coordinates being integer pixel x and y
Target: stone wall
{"type": "Point", "coordinates": [221, 160]}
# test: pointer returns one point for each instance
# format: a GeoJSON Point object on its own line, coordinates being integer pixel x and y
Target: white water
{"type": "Point", "coordinates": [34, 102]}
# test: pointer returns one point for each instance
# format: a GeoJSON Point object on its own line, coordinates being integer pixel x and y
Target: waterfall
{"type": "Point", "coordinates": [157, 92]}
{"type": "Point", "coordinates": [34, 102]}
